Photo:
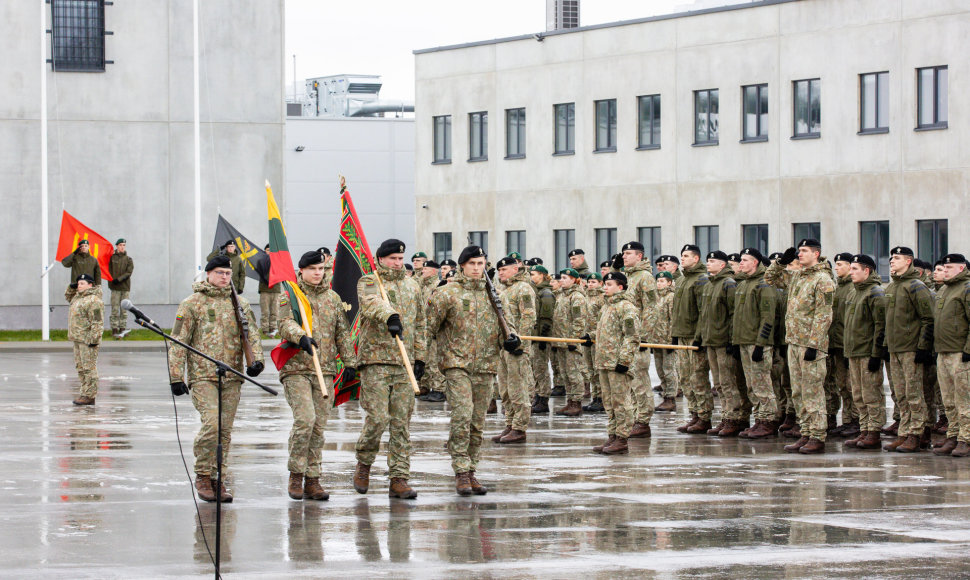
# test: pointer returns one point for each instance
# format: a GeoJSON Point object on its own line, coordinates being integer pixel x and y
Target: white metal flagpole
{"type": "Point", "coordinates": [196, 138]}
{"type": "Point", "coordinates": [45, 298]}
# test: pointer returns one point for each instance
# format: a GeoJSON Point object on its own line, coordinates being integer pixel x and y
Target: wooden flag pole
{"type": "Point", "coordinates": [316, 362]}
{"type": "Point", "coordinates": [581, 341]}
{"type": "Point", "coordinates": [400, 343]}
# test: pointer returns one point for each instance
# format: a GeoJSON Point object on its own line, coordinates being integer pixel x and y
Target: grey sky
{"type": "Point", "coordinates": [378, 36]}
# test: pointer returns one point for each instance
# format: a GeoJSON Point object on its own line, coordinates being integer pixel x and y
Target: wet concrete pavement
{"type": "Point", "coordinates": [102, 492]}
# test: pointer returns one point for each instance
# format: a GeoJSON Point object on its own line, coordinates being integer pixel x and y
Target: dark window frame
{"type": "Point", "coordinates": [517, 117]}
{"type": "Point", "coordinates": [77, 36]}
{"type": "Point", "coordinates": [708, 142]}
{"type": "Point", "coordinates": [761, 89]}
{"type": "Point", "coordinates": [520, 242]}
{"type": "Point", "coordinates": [812, 234]}
{"type": "Point", "coordinates": [940, 240]}
{"type": "Point", "coordinates": [761, 247]}
{"type": "Point", "coordinates": [482, 137]}
{"type": "Point", "coordinates": [709, 229]}
{"type": "Point", "coordinates": [936, 124]}
{"type": "Point", "coordinates": [882, 261]}
{"type": "Point", "coordinates": [479, 238]}
{"type": "Point", "coordinates": [569, 110]}
{"type": "Point", "coordinates": [794, 102]}
{"type": "Point", "coordinates": [568, 244]}
{"type": "Point", "coordinates": [610, 146]}
{"type": "Point", "coordinates": [651, 249]}
{"type": "Point", "coordinates": [655, 123]}
{"type": "Point", "coordinates": [441, 254]}
{"type": "Point", "coordinates": [877, 129]}
{"type": "Point", "coordinates": [445, 121]}
{"type": "Point", "coordinates": [611, 243]}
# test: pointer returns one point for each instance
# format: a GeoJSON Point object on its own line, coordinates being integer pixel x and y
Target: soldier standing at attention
{"type": "Point", "coordinates": [577, 261]}
{"type": "Point", "coordinates": [386, 395]}
{"type": "Point", "coordinates": [85, 323]}
{"type": "Point", "coordinates": [595, 299]}
{"type": "Point", "coordinates": [418, 260]}
{"type": "Point", "coordinates": [570, 322]}
{"type": "Point", "coordinates": [838, 392]}
{"type": "Point", "coordinates": [469, 337]}
{"type": "Point", "coordinates": [605, 267]}
{"type": "Point", "coordinates": [541, 351]}
{"type": "Point", "coordinates": [953, 345]}
{"type": "Point", "coordinates": [331, 336]}
{"type": "Point", "coordinates": [432, 383]}
{"type": "Point", "coordinates": [665, 360]}
{"type": "Point", "coordinates": [206, 321]}
{"type": "Point", "coordinates": [80, 261]}
{"type": "Point", "coordinates": [269, 296]}
{"type": "Point", "coordinates": [120, 267]}
{"type": "Point", "coordinates": [811, 292]}
{"type": "Point", "coordinates": [693, 367]}
{"type": "Point", "coordinates": [642, 290]}
{"type": "Point", "coordinates": [714, 333]}
{"type": "Point", "coordinates": [515, 367]}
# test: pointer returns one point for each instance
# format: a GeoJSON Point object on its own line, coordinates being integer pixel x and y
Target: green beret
{"type": "Point", "coordinates": [666, 275]}
{"type": "Point", "coordinates": [120, 241]}
{"type": "Point", "coordinates": [540, 268]}
{"type": "Point", "coordinates": [419, 255]}
{"type": "Point", "coordinates": [595, 276]}
{"type": "Point", "coordinates": [569, 272]}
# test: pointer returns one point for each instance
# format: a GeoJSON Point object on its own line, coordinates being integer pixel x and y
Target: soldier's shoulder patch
{"type": "Point", "coordinates": [829, 298]}
{"type": "Point", "coordinates": [285, 299]}
{"type": "Point", "coordinates": [526, 299]}
{"type": "Point", "coordinates": [577, 309]}
{"type": "Point", "coordinates": [877, 291]}
{"type": "Point", "coordinates": [629, 325]}
{"type": "Point", "coordinates": [730, 283]}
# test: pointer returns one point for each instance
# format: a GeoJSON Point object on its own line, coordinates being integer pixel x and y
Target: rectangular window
{"type": "Point", "coordinates": [755, 114]}
{"type": "Point", "coordinates": [650, 238]}
{"type": "Point", "coordinates": [442, 139]}
{"type": "Point", "coordinates": [649, 122]}
{"type": "Point", "coordinates": [515, 242]}
{"type": "Point", "coordinates": [479, 239]}
{"type": "Point", "coordinates": [605, 244]}
{"type": "Point", "coordinates": [932, 241]}
{"type": "Point", "coordinates": [442, 246]}
{"type": "Point", "coordinates": [77, 33]}
{"type": "Point", "coordinates": [514, 133]}
{"type": "Point", "coordinates": [874, 241]}
{"type": "Point", "coordinates": [809, 230]}
{"type": "Point", "coordinates": [478, 136]}
{"type": "Point", "coordinates": [606, 125]}
{"type": "Point", "coordinates": [705, 237]}
{"type": "Point", "coordinates": [705, 117]}
{"type": "Point", "coordinates": [755, 236]}
{"type": "Point", "coordinates": [807, 99]}
{"type": "Point", "coordinates": [931, 92]}
{"type": "Point", "coordinates": [874, 103]}
{"type": "Point", "coordinates": [565, 241]}
{"type": "Point", "coordinates": [565, 137]}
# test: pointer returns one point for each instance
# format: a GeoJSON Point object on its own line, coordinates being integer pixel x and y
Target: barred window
{"type": "Point", "coordinates": [77, 35]}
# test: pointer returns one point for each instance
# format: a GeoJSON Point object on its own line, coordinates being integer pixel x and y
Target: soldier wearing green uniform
{"type": "Point", "coordinates": [206, 321]}
{"type": "Point", "coordinates": [596, 300]}
{"type": "Point", "coordinates": [85, 323]}
{"type": "Point", "coordinates": [120, 267]}
{"type": "Point", "coordinates": [269, 296]}
{"type": "Point", "coordinates": [665, 360]}
{"type": "Point", "coordinates": [642, 291]}
{"type": "Point", "coordinates": [952, 342]}
{"type": "Point", "coordinates": [386, 395]}
{"type": "Point", "coordinates": [692, 365]}
{"type": "Point", "coordinates": [230, 250]}
{"type": "Point", "coordinates": [541, 351]}
{"type": "Point", "coordinates": [80, 261]}
{"type": "Point", "coordinates": [714, 334]}
{"type": "Point", "coordinates": [577, 261]}
{"type": "Point", "coordinates": [433, 382]}
{"type": "Point", "coordinates": [515, 378]}
{"type": "Point", "coordinates": [570, 321]}
{"type": "Point", "coordinates": [310, 401]}
{"type": "Point", "coordinates": [838, 392]}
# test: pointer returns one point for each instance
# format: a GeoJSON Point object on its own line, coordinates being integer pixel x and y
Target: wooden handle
{"type": "Point", "coordinates": [581, 341]}
{"type": "Point", "coordinates": [400, 343]}
{"type": "Point", "coordinates": [316, 368]}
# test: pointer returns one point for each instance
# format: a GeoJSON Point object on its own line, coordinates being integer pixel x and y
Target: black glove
{"type": "Point", "coordinates": [810, 354]}
{"type": "Point", "coordinates": [418, 369]}
{"type": "Point", "coordinates": [491, 272]}
{"type": "Point", "coordinates": [673, 341]}
{"type": "Point", "coordinates": [92, 345]}
{"type": "Point", "coordinates": [697, 343]}
{"type": "Point", "coordinates": [254, 369]}
{"type": "Point", "coordinates": [180, 388]}
{"type": "Point", "coordinates": [618, 262]}
{"type": "Point", "coordinates": [512, 343]}
{"type": "Point", "coordinates": [643, 348]}
{"type": "Point", "coordinates": [885, 355]}
{"type": "Point", "coordinates": [588, 339]}
{"type": "Point", "coordinates": [239, 292]}
{"type": "Point", "coordinates": [732, 350]}
{"type": "Point", "coordinates": [758, 354]}
{"type": "Point", "coordinates": [622, 369]}
{"type": "Point", "coordinates": [305, 342]}
{"type": "Point", "coordinates": [788, 257]}
{"type": "Point", "coordinates": [542, 346]}
{"type": "Point", "coordinates": [350, 373]}
{"type": "Point", "coordinates": [924, 357]}
{"type": "Point", "coordinates": [571, 347]}
{"type": "Point", "coordinates": [835, 352]}
{"type": "Point", "coordinates": [874, 361]}
{"type": "Point", "coordinates": [394, 326]}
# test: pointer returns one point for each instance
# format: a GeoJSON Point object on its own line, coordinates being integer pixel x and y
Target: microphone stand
{"type": "Point", "coordinates": [221, 370]}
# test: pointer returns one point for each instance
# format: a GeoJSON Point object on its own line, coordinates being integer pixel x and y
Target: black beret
{"type": "Point", "coordinates": [864, 260]}
{"type": "Point", "coordinates": [83, 242]}
{"type": "Point", "coordinates": [954, 259]}
{"type": "Point", "coordinates": [506, 261]}
{"type": "Point", "coordinates": [233, 242]}
{"type": "Point", "coordinates": [735, 257]}
{"type": "Point", "coordinates": [754, 253]}
{"type": "Point", "coordinates": [937, 263]}
{"type": "Point", "coordinates": [902, 251]}
{"type": "Point", "coordinates": [717, 255]}
{"type": "Point", "coordinates": [606, 264]}
{"type": "Point", "coordinates": [431, 264]}
{"type": "Point", "coordinates": [389, 247]}
{"type": "Point", "coordinates": [451, 274]}
{"type": "Point", "coordinates": [408, 267]}
{"type": "Point", "coordinates": [536, 261]}
{"type": "Point", "coordinates": [843, 257]}
{"type": "Point", "coordinates": [85, 277]}
{"type": "Point", "coordinates": [775, 255]}
{"type": "Point", "coordinates": [310, 258]}
{"type": "Point", "coordinates": [632, 246]}
{"type": "Point", "coordinates": [675, 259]}
{"type": "Point", "coordinates": [449, 262]}
{"type": "Point", "coordinates": [220, 261]}
{"type": "Point", "coordinates": [691, 248]}
{"type": "Point", "coordinates": [810, 243]}
{"type": "Point", "coordinates": [619, 277]}
{"type": "Point", "coordinates": [324, 250]}
{"type": "Point", "coordinates": [661, 259]}
{"type": "Point", "coordinates": [471, 252]}
{"type": "Point", "coordinates": [577, 252]}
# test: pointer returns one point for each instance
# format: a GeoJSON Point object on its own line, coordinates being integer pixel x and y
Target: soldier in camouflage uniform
{"type": "Point", "coordinates": [230, 250]}
{"type": "Point", "coordinates": [952, 342]}
{"type": "Point", "coordinates": [269, 296]}
{"type": "Point", "coordinates": [665, 360]}
{"type": "Point", "coordinates": [618, 335]}
{"type": "Point", "coordinates": [121, 266]}
{"type": "Point", "coordinates": [85, 323]}
{"type": "Point", "coordinates": [431, 383]}
{"type": "Point", "coordinates": [595, 300]}
{"type": "Point", "coordinates": [780, 379]}
{"type": "Point", "coordinates": [541, 351]}
{"type": "Point", "coordinates": [570, 321]}
{"type": "Point", "coordinates": [838, 392]}
{"type": "Point", "coordinates": [577, 261]}
{"type": "Point", "coordinates": [642, 291]}
{"type": "Point", "coordinates": [386, 395]}
{"type": "Point", "coordinates": [809, 314]}
{"type": "Point", "coordinates": [692, 366]}
{"type": "Point", "coordinates": [309, 401]}
{"type": "Point", "coordinates": [714, 333]}
{"type": "Point", "coordinates": [515, 378]}
{"type": "Point", "coordinates": [206, 321]}
{"type": "Point", "coordinates": [80, 261]}
{"type": "Point", "coordinates": [469, 337]}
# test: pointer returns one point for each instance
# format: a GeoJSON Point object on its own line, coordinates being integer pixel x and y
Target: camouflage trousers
{"type": "Point", "coordinates": [908, 377]}
{"type": "Point", "coordinates": [574, 374]}
{"type": "Point", "coordinates": [86, 363]}
{"type": "Point", "coordinates": [432, 379]}
{"type": "Point", "coordinates": [724, 373]}
{"type": "Point", "coordinates": [388, 401]}
{"type": "Point", "coordinates": [540, 360]}
{"type": "Point", "coordinates": [468, 397]}
{"type": "Point", "coordinates": [594, 376]}
{"type": "Point", "coordinates": [556, 357]}
{"type": "Point", "coordinates": [808, 391]}
{"type": "Point", "coordinates": [693, 368]}
{"type": "Point", "coordinates": [892, 389]}
{"type": "Point", "coordinates": [205, 397]}
{"type": "Point", "coordinates": [617, 391]}
{"type": "Point", "coordinates": [954, 376]}
{"type": "Point", "coordinates": [643, 403]}
{"type": "Point", "coordinates": [757, 376]}
{"type": "Point", "coordinates": [931, 393]}
{"type": "Point", "coordinates": [781, 381]}
{"type": "Point", "coordinates": [665, 361]}
{"type": "Point", "coordinates": [838, 390]}
{"type": "Point", "coordinates": [867, 393]}
{"type": "Point", "coordinates": [269, 312]}
{"type": "Point", "coordinates": [514, 382]}
{"type": "Point", "coordinates": [310, 411]}
{"type": "Point", "coordinates": [119, 317]}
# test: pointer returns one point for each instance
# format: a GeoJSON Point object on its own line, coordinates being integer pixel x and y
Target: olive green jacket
{"type": "Point", "coordinates": [120, 267]}
{"type": "Point", "coordinates": [755, 310]}
{"type": "Point", "coordinates": [909, 314]}
{"type": "Point", "coordinates": [953, 315]}
{"type": "Point", "coordinates": [837, 329]}
{"type": "Point", "coordinates": [688, 302]}
{"type": "Point", "coordinates": [864, 319]}
{"type": "Point", "coordinates": [717, 311]}
{"type": "Point", "coordinates": [545, 309]}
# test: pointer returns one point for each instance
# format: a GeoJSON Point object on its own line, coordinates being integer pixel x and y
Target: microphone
{"type": "Point", "coordinates": [139, 315]}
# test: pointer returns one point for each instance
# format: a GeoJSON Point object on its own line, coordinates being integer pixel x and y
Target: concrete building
{"type": "Point", "coordinates": [837, 123]}
{"type": "Point", "coordinates": [121, 136]}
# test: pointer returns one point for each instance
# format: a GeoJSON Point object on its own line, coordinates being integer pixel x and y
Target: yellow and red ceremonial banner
{"type": "Point", "coordinates": [72, 232]}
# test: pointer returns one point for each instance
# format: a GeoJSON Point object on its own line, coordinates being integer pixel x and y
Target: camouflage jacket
{"type": "Point", "coordinates": [465, 326]}
{"type": "Point", "coordinates": [205, 321]}
{"type": "Point", "coordinates": [909, 314]}
{"type": "Point", "coordinates": [687, 302]}
{"type": "Point", "coordinates": [837, 330]}
{"type": "Point", "coordinates": [781, 309]}
{"type": "Point", "coordinates": [664, 316]}
{"type": "Point", "coordinates": [755, 303]}
{"type": "Point", "coordinates": [120, 267]}
{"type": "Point", "coordinates": [518, 301]}
{"type": "Point", "coordinates": [642, 291]}
{"type": "Point", "coordinates": [572, 315]}
{"type": "Point", "coordinates": [330, 330]}
{"type": "Point", "coordinates": [85, 319]}
{"type": "Point", "coordinates": [864, 319]}
{"type": "Point", "coordinates": [953, 315]}
{"type": "Point", "coordinates": [427, 287]}
{"type": "Point", "coordinates": [811, 292]}
{"type": "Point", "coordinates": [618, 332]}
{"type": "Point", "coordinates": [545, 309]}
{"type": "Point", "coordinates": [375, 345]}
{"type": "Point", "coordinates": [717, 313]}
{"type": "Point", "coordinates": [595, 299]}
{"type": "Point", "coordinates": [82, 264]}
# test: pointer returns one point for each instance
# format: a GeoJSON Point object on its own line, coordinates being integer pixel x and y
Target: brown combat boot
{"type": "Point", "coordinates": [892, 429]}
{"type": "Point", "coordinates": [870, 440]}
{"type": "Point", "coordinates": [717, 428]}
{"type": "Point", "coordinates": [313, 490]}
{"type": "Point", "coordinates": [617, 447]}
{"type": "Point", "coordinates": [854, 440]}
{"type": "Point", "coordinates": [224, 495]}
{"type": "Point", "coordinates": [851, 429]}
{"type": "Point", "coordinates": [572, 409]}
{"type": "Point", "coordinates": [744, 433]}
{"type": "Point", "coordinates": [787, 424]}
{"type": "Point", "coordinates": [640, 431]}
{"type": "Point", "coordinates": [926, 440]}
{"type": "Point", "coordinates": [400, 489]}
{"type": "Point", "coordinates": [82, 400]}
{"type": "Point", "coordinates": [813, 446]}
{"type": "Point", "coordinates": [693, 419]}
{"type": "Point", "coordinates": [504, 432]}
{"type": "Point", "coordinates": [762, 429]}
{"type": "Point", "coordinates": [794, 447]}
{"type": "Point", "coordinates": [833, 425]}
{"type": "Point", "coordinates": [731, 429]}
{"type": "Point", "coordinates": [962, 449]}
{"type": "Point", "coordinates": [295, 487]}
{"type": "Point", "coordinates": [608, 442]}
{"type": "Point", "coordinates": [361, 478]}
{"type": "Point", "coordinates": [540, 406]}
{"type": "Point", "coordinates": [492, 408]}
{"type": "Point", "coordinates": [203, 486]}
{"type": "Point", "coordinates": [463, 484]}
{"type": "Point", "coordinates": [513, 436]}
{"type": "Point", "coordinates": [910, 445]}
{"type": "Point", "coordinates": [892, 446]}
{"type": "Point", "coordinates": [699, 428]}
{"type": "Point", "coordinates": [946, 447]}
{"type": "Point", "coordinates": [477, 487]}
{"type": "Point", "coordinates": [794, 433]}
{"type": "Point", "coordinates": [942, 425]}
{"type": "Point", "coordinates": [668, 406]}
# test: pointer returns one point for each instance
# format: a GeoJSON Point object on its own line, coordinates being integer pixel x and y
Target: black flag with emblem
{"type": "Point", "coordinates": [248, 251]}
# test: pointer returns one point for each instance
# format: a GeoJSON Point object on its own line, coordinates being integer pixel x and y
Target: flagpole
{"type": "Point", "coordinates": [45, 299]}
{"type": "Point", "coordinates": [196, 132]}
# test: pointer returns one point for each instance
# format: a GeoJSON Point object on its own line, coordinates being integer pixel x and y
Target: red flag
{"type": "Point", "coordinates": [72, 232]}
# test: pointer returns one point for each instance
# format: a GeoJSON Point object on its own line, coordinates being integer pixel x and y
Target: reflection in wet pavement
{"type": "Point", "coordinates": [103, 492]}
